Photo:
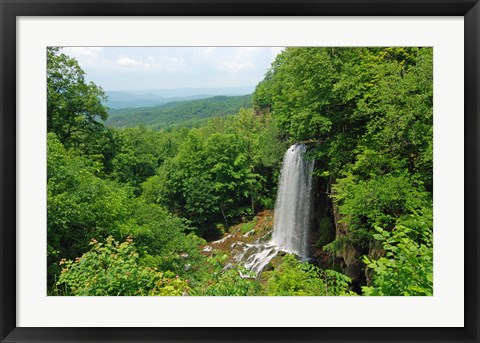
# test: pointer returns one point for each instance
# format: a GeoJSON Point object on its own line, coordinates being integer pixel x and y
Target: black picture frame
{"type": "Point", "coordinates": [10, 10]}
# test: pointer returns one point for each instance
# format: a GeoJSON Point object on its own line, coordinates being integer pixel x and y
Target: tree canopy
{"type": "Point", "coordinates": [135, 211]}
{"type": "Point", "coordinates": [74, 107]}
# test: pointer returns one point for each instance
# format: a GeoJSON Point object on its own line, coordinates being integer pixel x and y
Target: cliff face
{"type": "Point", "coordinates": [351, 257]}
{"type": "Point", "coordinates": [328, 227]}
{"type": "Point", "coordinates": [322, 220]}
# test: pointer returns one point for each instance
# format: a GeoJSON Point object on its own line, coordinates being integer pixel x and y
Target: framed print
{"type": "Point", "coordinates": [291, 171]}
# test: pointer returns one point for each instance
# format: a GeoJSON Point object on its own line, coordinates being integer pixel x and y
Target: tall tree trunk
{"type": "Point", "coordinates": [224, 217]}
{"type": "Point", "coordinates": [253, 204]}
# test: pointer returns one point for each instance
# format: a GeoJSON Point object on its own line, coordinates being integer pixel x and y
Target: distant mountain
{"type": "Point", "coordinates": [146, 98]}
{"type": "Point", "coordinates": [189, 113]}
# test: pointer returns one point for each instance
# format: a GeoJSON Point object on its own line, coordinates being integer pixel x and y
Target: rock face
{"type": "Point", "coordinates": [352, 265]}
{"type": "Point", "coordinates": [327, 228]}
{"type": "Point", "coordinates": [322, 219]}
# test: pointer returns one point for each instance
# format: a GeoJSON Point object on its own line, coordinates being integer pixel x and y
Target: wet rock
{"type": "Point", "coordinates": [237, 245]}
{"type": "Point", "coordinates": [268, 268]}
{"type": "Point", "coordinates": [220, 241]}
{"type": "Point", "coordinates": [249, 233]}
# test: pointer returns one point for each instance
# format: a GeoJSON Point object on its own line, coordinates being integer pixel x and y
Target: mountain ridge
{"type": "Point", "coordinates": [145, 98]}
{"type": "Point", "coordinates": [186, 113]}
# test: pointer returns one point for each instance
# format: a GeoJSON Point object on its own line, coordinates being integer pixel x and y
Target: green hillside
{"type": "Point", "coordinates": [190, 113]}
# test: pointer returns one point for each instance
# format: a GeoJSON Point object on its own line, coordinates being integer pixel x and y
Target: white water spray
{"type": "Point", "coordinates": [292, 212]}
{"type": "Point", "coordinates": [293, 204]}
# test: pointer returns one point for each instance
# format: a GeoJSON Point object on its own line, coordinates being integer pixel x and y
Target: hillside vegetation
{"type": "Point", "coordinates": [191, 113]}
{"type": "Point", "coordinates": [130, 211]}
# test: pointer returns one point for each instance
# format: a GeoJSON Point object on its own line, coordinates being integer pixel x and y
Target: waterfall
{"type": "Point", "coordinates": [292, 212]}
{"type": "Point", "coordinates": [293, 204]}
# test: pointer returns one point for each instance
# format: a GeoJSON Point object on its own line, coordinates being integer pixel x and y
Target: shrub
{"type": "Point", "coordinates": [293, 277]}
{"type": "Point", "coordinates": [232, 283]}
{"type": "Point", "coordinates": [406, 268]}
{"type": "Point", "coordinates": [112, 268]}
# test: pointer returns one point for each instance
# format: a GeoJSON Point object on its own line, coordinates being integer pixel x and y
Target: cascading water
{"type": "Point", "coordinates": [292, 213]}
{"type": "Point", "coordinates": [292, 207]}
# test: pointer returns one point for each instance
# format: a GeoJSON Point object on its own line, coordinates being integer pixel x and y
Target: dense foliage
{"type": "Point", "coordinates": [293, 277]}
{"type": "Point", "coordinates": [407, 267]}
{"type": "Point", "coordinates": [370, 112]}
{"type": "Point", "coordinates": [220, 172]}
{"type": "Point", "coordinates": [111, 268]}
{"type": "Point", "coordinates": [130, 210]}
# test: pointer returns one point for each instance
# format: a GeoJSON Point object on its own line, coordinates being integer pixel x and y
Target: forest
{"type": "Point", "coordinates": [193, 113]}
{"type": "Point", "coordinates": [169, 208]}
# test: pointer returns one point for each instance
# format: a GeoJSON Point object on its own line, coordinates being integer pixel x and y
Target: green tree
{"type": "Point", "coordinates": [220, 171]}
{"type": "Point", "coordinates": [346, 98]}
{"type": "Point", "coordinates": [163, 240]}
{"type": "Point", "coordinates": [370, 113]}
{"type": "Point", "coordinates": [113, 268]}
{"type": "Point", "coordinates": [80, 205]}
{"type": "Point", "coordinates": [381, 201]}
{"type": "Point", "coordinates": [292, 277]}
{"type": "Point", "coordinates": [406, 268]}
{"type": "Point", "coordinates": [74, 106]}
{"type": "Point", "coordinates": [142, 151]}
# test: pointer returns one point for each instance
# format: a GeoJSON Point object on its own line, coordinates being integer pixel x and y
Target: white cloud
{"type": "Point", "coordinates": [160, 64]}
{"type": "Point", "coordinates": [86, 56]}
{"type": "Point", "coordinates": [170, 64]}
{"type": "Point", "coordinates": [125, 61]}
{"type": "Point", "coordinates": [208, 50]}
{"type": "Point", "coordinates": [162, 67]}
{"type": "Point", "coordinates": [237, 66]}
{"type": "Point", "coordinates": [83, 51]}
{"type": "Point", "coordinates": [241, 60]}
{"type": "Point", "coordinates": [275, 50]}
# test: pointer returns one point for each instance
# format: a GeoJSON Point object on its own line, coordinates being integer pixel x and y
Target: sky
{"type": "Point", "coordinates": [143, 68]}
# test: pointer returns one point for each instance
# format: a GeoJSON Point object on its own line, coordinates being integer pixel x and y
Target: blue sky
{"type": "Point", "coordinates": [142, 68]}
